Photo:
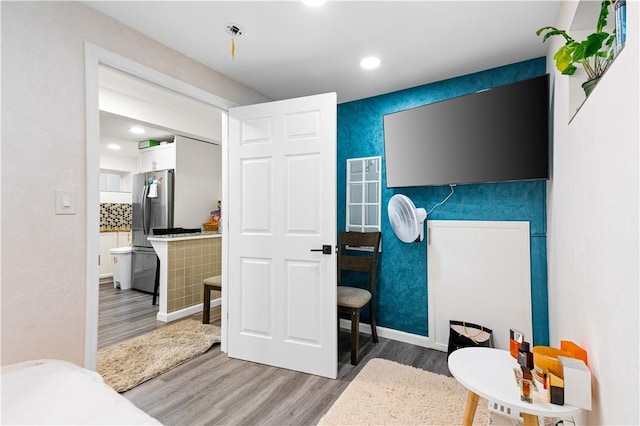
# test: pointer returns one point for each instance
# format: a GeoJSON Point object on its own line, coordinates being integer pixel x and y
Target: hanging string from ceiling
{"type": "Point", "coordinates": [235, 31]}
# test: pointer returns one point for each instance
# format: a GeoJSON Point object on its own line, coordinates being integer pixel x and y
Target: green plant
{"type": "Point", "coordinates": [594, 53]}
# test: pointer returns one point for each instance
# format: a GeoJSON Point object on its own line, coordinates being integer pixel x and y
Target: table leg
{"type": "Point", "coordinates": [470, 409]}
{"type": "Point", "coordinates": [530, 419]}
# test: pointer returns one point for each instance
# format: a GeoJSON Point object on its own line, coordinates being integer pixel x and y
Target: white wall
{"type": "Point", "coordinates": [113, 162]}
{"type": "Point", "coordinates": [124, 165]}
{"type": "Point", "coordinates": [593, 200]}
{"type": "Point", "coordinates": [198, 181]}
{"type": "Point", "coordinates": [43, 149]}
{"type": "Point", "coordinates": [128, 96]}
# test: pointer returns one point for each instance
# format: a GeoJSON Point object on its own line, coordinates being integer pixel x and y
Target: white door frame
{"type": "Point", "coordinates": [95, 55]}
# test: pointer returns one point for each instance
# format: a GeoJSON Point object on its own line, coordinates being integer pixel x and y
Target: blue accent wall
{"type": "Point", "coordinates": [401, 293]}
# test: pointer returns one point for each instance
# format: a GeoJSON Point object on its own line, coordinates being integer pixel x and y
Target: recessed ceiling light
{"type": "Point", "coordinates": [113, 146]}
{"type": "Point", "coordinates": [137, 130]}
{"type": "Point", "coordinates": [370, 63]}
{"type": "Point", "coordinates": [314, 3]}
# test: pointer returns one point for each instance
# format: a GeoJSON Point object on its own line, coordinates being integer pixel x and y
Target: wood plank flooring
{"type": "Point", "coordinates": [213, 389]}
{"type": "Point", "coordinates": [123, 314]}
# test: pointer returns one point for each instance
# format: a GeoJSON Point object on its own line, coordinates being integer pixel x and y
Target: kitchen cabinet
{"type": "Point", "coordinates": [115, 181]}
{"type": "Point", "coordinates": [160, 157]}
{"type": "Point", "coordinates": [124, 239]}
{"type": "Point", "coordinates": [109, 240]}
{"type": "Point", "coordinates": [197, 178]}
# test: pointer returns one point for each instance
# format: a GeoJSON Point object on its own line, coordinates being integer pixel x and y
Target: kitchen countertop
{"type": "Point", "coordinates": [183, 237]}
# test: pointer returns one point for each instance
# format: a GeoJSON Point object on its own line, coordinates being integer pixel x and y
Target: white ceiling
{"type": "Point", "coordinates": [114, 130]}
{"type": "Point", "coordinates": [288, 50]}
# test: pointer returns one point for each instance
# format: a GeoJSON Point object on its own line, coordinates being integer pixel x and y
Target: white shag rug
{"type": "Point", "coordinates": [385, 392]}
{"type": "Point", "coordinates": [127, 364]}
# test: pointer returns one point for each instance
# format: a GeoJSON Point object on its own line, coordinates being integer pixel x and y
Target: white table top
{"type": "Point", "coordinates": [489, 373]}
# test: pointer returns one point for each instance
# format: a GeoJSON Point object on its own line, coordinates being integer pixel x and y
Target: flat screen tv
{"type": "Point", "coordinates": [496, 135]}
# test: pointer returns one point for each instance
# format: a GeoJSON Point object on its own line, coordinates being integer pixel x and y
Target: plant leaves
{"type": "Point", "coordinates": [564, 57]}
{"type": "Point", "coordinates": [554, 31]}
{"type": "Point", "coordinates": [604, 12]}
{"type": "Point", "coordinates": [578, 52]}
{"type": "Point", "coordinates": [569, 70]}
{"type": "Point", "coordinates": [593, 43]}
{"type": "Point", "coordinates": [611, 38]}
{"type": "Point", "coordinates": [544, 28]}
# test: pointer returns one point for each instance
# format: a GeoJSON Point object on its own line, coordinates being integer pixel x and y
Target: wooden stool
{"type": "Point", "coordinates": [211, 283]}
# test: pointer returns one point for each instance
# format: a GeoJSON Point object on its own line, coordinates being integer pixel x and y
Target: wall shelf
{"type": "Point", "coordinates": [584, 23]}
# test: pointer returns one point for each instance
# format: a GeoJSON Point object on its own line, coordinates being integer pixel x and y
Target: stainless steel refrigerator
{"type": "Point", "coordinates": [153, 207]}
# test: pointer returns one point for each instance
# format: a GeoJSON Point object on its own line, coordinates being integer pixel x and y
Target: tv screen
{"type": "Point", "coordinates": [496, 135]}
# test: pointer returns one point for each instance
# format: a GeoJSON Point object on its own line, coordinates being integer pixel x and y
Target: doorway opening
{"type": "Point", "coordinates": [95, 59]}
{"type": "Point", "coordinates": [130, 304]}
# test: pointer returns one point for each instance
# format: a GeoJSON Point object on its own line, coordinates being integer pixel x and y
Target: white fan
{"type": "Point", "coordinates": [406, 220]}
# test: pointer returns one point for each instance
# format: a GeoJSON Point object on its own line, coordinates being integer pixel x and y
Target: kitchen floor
{"type": "Point", "coordinates": [124, 314]}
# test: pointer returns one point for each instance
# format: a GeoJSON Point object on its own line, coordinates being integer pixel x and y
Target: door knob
{"type": "Point", "coordinates": [326, 249]}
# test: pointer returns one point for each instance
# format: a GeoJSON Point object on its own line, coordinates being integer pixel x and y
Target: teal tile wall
{"type": "Point", "coordinates": [401, 299]}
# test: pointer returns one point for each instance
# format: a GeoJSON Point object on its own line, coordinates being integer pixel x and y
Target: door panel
{"type": "Point", "coordinates": [303, 194]}
{"type": "Point", "coordinates": [256, 196]}
{"type": "Point", "coordinates": [255, 291]}
{"type": "Point", "coordinates": [282, 204]}
{"type": "Point", "coordinates": [304, 314]}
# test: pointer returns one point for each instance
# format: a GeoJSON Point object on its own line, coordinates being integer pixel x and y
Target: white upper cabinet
{"type": "Point", "coordinates": [161, 157]}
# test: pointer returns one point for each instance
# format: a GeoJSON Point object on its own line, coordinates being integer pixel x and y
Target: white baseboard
{"type": "Point", "coordinates": [182, 313]}
{"type": "Point", "coordinates": [389, 333]}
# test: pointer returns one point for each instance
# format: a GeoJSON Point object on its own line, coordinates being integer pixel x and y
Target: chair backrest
{"type": "Point", "coordinates": [358, 260]}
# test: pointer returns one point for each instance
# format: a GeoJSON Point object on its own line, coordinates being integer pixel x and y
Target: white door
{"type": "Point", "coordinates": [281, 206]}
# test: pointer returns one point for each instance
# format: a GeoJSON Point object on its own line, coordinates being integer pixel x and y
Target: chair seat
{"type": "Point", "coordinates": [213, 281]}
{"type": "Point", "coordinates": [352, 297]}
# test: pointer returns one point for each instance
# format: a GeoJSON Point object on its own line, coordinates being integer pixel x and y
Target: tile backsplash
{"type": "Point", "coordinates": [115, 217]}
{"type": "Point", "coordinates": [190, 262]}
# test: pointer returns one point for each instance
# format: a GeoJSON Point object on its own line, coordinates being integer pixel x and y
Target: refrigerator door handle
{"type": "Point", "coordinates": [146, 214]}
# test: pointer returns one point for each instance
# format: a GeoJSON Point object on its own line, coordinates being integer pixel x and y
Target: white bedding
{"type": "Point", "coordinates": [58, 392]}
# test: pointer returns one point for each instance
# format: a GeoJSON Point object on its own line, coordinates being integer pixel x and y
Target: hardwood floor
{"type": "Point", "coordinates": [213, 389]}
{"type": "Point", "coordinates": [123, 314]}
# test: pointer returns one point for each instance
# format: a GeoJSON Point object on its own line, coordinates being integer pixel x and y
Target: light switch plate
{"type": "Point", "coordinates": [65, 202]}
